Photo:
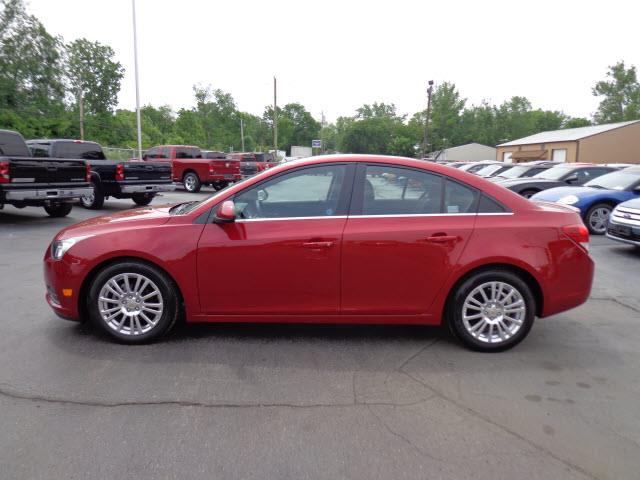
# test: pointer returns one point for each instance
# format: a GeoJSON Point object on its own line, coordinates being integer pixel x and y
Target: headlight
{"type": "Point", "coordinates": [569, 200]}
{"type": "Point", "coordinates": [60, 247]}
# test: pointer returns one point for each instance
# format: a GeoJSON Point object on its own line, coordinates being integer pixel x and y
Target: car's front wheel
{"type": "Point", "coordinates": [93, 200]}
{"type": "Point", "coordinates": [133, 302]}
{"type": "Point", "coordinates": [597, 218]}
{"type": "Point", "coordinates": [491, 311]}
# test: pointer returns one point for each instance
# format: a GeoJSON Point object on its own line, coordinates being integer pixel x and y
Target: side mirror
{"type": "Point", "coordinates": [571, 179]}
{"type": "Point", "coordinates": [226, 212]}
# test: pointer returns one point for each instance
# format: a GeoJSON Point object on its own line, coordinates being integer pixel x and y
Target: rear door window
{"type": "Point", "coordinates": [391, 190]}
{"type": "Point", "coordinates": [459, 198]}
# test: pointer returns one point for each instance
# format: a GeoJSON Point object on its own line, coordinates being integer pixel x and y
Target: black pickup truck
{"type": "Point", "coordinates": [140, 181]}
{"type": "Point", "coordinates": [51, 183]}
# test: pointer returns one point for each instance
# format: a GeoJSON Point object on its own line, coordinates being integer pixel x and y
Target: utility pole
{"type": "Point", "coordinates": [135, 58]}
{"type": "Point", "coordinates": [425, 144]}
{"type": "Point", "coordinates": [322, 149]}
{"type": "Point", "coordinates": [275, 119]}
{"type": "Point", "coordinates": [81, 111]}
{"type": "Point", "coordinates": [242, 133]}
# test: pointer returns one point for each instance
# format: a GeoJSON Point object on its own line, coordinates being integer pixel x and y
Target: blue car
{"type": "Point", "coordinates": [597, 198]}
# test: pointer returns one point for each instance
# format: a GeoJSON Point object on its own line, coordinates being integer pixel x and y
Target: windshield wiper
{"type": "Point", "coordinates": [181, 207]}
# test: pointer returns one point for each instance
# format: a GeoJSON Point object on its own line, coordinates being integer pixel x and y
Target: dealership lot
{"type": "Point", "coordinates": [314, 401]}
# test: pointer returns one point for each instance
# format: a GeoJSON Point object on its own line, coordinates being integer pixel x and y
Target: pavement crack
{"type": "Point", "coordinates": [437, 393]}
{"type": "Point", "coordinates": [406, 440]}
{"type": "Point", "coordinates": [615, 300]}
{"type": "Point", "coordinates": [9, 391]}
{"type": "Point", "coordinates": [414, 355]}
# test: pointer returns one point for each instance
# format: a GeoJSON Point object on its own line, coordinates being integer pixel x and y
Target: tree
{"type": "Point", "coordinates": [621, 92]}
{"type": "Point", "coordinates": [296, 126]}
{"type": "Point", "coordinates": [31, 76]}
{"type": "Point", "coordinates": [577, 122]}
{"type": "Point", "coordinates": [94, 74]}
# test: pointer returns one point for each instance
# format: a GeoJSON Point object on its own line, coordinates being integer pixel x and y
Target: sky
{"type": "Point", "coordinates": [334, 56]}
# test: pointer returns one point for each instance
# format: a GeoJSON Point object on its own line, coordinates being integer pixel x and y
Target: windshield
{"type": "Point", "coordinates": [486, 171]}
{"type": "Point", "coordinates": [615, 181]}
{"type": "Point", "coordinates": [515, 172]}
{"type": "Point", "coordinates": [186, 207]}
{"type": "Point", "coordinates": [554, 173]}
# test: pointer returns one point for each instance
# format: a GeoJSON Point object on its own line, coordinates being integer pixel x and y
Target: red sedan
{"type": "Point", "coordinates": [337, 239]}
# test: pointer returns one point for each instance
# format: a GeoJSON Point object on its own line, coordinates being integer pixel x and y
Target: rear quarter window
{"type": "Point", "coordinates": [489, 205]}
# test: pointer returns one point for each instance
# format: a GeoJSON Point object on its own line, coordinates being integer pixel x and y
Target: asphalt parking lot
{"type": "Point", "coordinates": [243, 401]}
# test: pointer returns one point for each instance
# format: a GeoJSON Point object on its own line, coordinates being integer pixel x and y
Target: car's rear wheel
{"type": "Point", "coordinates": [491, 311]}
{"type": "Point", "coordinates": [133, 302]}
{"type": "Point", "coordinates": [58, 210]}
{"type": "Point", "coordinates": [528, 193]}
{"type": "Point", "coordinates": [191, 183]}
{"type": "Point", "coordinates": [142, 199]}
{"type": "Point", "coordinates": [597, 218]}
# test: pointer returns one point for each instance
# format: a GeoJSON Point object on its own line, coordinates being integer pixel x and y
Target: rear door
{"type": "Point", "coordinates": [406, 229]}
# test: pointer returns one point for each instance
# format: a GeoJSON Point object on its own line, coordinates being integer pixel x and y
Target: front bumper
{"type": "Point", "coordinates": [60, 277]}
{"type": "Point", "coordinates": [47, 194]}
{"type": "Point", "coordinates": [623, 232]}
{"type": "Point", "coordinates": [148, 188]}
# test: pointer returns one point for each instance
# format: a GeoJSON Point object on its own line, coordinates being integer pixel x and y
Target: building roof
{"type": "Point", "coordinates": [467, 145]}
{"type": "Point", "coordinates": [567, 135]}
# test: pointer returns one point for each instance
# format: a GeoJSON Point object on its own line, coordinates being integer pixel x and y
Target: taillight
{"type": "Point", "coordinates": [88, 172]}
{"type": "Point", "coordinates": [119, 172]}
{"type": "Point", "coordinates": [578, 233]}
{"type": "Point", "coordinates": [211, 168]}
{"type": "Point", "coordinates": [227, 165]}
{"type": "Point", "coordinates": [4, 172]}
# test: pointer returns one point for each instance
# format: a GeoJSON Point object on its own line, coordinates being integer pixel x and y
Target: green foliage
{"type": "Point", "coordinates": [93, 72]}
{"type": "Point", "coordinates": [621, 92]}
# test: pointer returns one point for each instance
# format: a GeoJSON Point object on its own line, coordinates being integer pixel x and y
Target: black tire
{"type": "Point", "coordinates": [191, 182]}
{"type": "Point", "coordinates": [58, 210]}
{"type": "Point", "coordinates": [95, 201]}
{"type": "Point", "coordinates": [455, 308]}
{"type": "Point", "coordinates": [169, 299]}
{"type": "Point", "coordinates": [142, 199]}
{"type": "Point", "coordinates": [595, 227]}
{"type": "Point", "coordinates": [528, 193]}
{"type": "Point", "coordinates": [219, 185]}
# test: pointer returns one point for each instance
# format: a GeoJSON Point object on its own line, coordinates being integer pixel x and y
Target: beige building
{"type": "Point", "coordinates": [610, 143]}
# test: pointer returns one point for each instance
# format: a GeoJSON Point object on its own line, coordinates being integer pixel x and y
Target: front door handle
{"type": "Point", "coordinates": [318, 244]}
{"type": "Point", "coordinates": [442, 238]}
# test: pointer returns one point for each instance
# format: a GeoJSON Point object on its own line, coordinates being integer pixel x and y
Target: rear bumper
{"type": "Point", "coordinates": [47, 194]}
{"type": "Point", "coordinates": [225, 177]}
{"type": "Point", "coordinates": [148, 188]}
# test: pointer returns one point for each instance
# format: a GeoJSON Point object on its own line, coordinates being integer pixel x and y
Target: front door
{"type": "Point", "coordinates": [282, 254]}
{"type": "Point", "coordinates": [407, 229]}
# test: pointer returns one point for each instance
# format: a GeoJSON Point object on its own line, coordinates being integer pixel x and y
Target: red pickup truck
{"type": "Point", "coordinates": [193, 169]}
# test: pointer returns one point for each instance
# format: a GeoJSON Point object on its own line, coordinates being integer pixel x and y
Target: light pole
{"type": "Point", "coordinates": [426, 121]}
{"type": "Point", "coordinates": [135, 59]}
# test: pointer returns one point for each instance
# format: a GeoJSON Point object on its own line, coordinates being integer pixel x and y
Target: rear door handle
{"type": "Point", "coordinates": [442, 238]}
{"type": "Point", "coordinates": [317, 244]}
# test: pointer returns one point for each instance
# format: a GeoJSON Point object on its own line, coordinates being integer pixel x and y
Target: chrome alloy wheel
{"type": "Point", "coordinates": [130, 304]}
{"type": "Point", "coordinates": [493, 312]}
{"type": "Point", "coordinates": [190, 183]}
{"type": "Point", "coordinates": [598, 219]}
{"type": "Point", "coordinates": [87, 200]}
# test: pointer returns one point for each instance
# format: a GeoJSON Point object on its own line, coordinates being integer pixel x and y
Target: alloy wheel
{"type": "Point", "coordinates": [493, 312]}
{"type": "Point", "coordinates": [130, 303]}
{"type": "Point", "coordinates": [598, 219]}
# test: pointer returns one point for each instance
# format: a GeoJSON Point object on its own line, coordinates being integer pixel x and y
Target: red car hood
{"type": "Point", "coordinates": [126, 219]}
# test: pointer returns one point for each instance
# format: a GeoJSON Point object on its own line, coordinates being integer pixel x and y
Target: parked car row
{"type": "Point", "coordinates": [593, 190]}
